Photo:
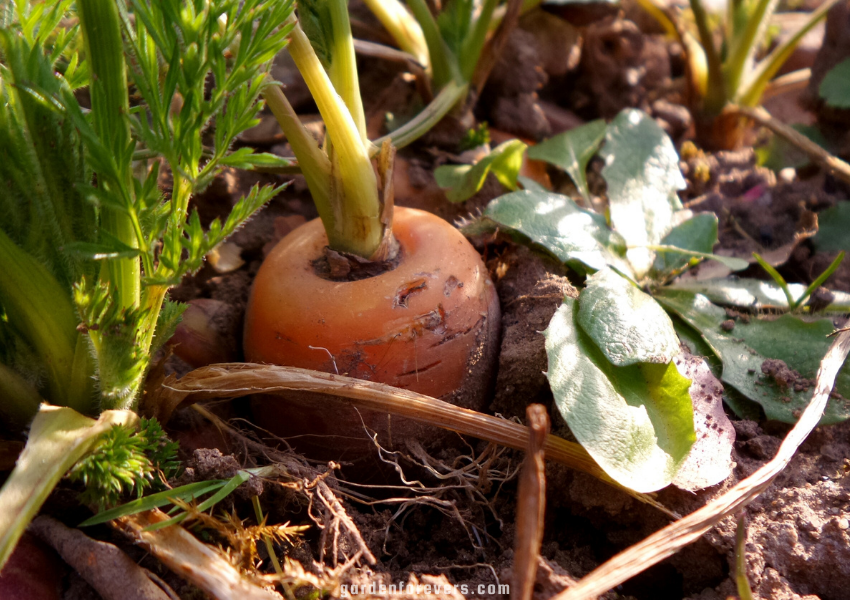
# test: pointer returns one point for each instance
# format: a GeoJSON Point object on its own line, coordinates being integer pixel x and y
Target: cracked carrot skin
{"type": "Point", "coordinates": [427, 325]}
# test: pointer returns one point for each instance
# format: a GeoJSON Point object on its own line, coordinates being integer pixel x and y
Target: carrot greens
{"type": "Point", "coordinates": [89, 242]}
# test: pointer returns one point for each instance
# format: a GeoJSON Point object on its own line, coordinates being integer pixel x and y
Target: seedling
{"type": "Point", "coordinates": [90, 244]}
{"type": "Point", "coordinates": [611, 350]}
{"type": "Point", "coordinates": [452, 45]}
{"type": "Point", "coordinates": [730, 73]}
{"type": "Point", "coordinates": [780, 280]}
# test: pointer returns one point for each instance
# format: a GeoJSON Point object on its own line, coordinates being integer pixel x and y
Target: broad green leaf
{"type": "Point", "coordinates": [464, 181]}
{"type": "Point", "coordinates": [833, 229]}
{"type": "Point", "coordinates": [835, 87]}
{"type": "Point", "coordinates": [571, 151]}
{"type": "Point", "coordinates": [576, 236]}
{"type": "Point", "coordinates": [642, 172]}
{"type": "Point", "coordinates": [710, 459]}
{"type": "Point", "coordinates": [753, 293]}
{"type": "Point", "coordinates": [628, 326]}
{"type": "Point", "coordinates": [740, 405]}
{"type": "Point", "coordinates": [744, 349]}
{"type": "Point", "coordinates": [697, 234]}
{"type": "Point", "coordinates": [637, 421]}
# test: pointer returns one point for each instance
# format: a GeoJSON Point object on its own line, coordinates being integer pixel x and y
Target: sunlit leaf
{"type": "Point", "coordinates": [745, 347]}
{"type": "Point", "coordinates": [464, 181]}
{"type": "Point", "coordinates": [628, 326]}
{"type": "Point", "coordinates": [571, 151]}
{"type": "Point", "coordinates": [755, 294]}
{"type": "Point", "coordinates": [636, 421]}
{"type": "Point", "coordinates": [698, 234]}
{"type": "Point", "coordinates": [643, 176]}
{"type": "Point", "coordinates": [578, 237]}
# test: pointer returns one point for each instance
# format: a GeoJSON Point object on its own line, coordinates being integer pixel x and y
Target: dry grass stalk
{"type": "Point", "coordinates": [313, 484]}
{"type": "Point", "coordinates": [531, 505]}
{"type": "Point", "coordinates": [198, 563]}
{"type": "Point", "coordinates": [818, 155]}
{"type": "Point", "coordinates": [242, 379]}
{"type": "Point", "coordinates": [675, 536]}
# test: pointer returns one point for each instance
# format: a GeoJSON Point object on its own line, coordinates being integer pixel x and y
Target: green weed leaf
{"type": "Point", "coordinates": [697, 234]}
{"type": "Point", "coordinates": [835, 87]}
{"type": "Point", "coordinates": [636, 421]}
{"type": "Point", "coordinates": [744, 349]}
{"type": "Point", "coordinates": [464, 181]}
{"type": "Point", "coordinates": [578, 237]}
{"type": "Point", "coordinates": [571, 151]}
{"type": "Point", "coordinates": [628, 326]}
{"type": "Point", "coordinates": [834, 229]}
{"type": "Point", "coordinates": [642, 172]}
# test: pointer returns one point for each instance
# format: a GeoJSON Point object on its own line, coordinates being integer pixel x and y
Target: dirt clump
{"type": "Point", "coordinates": [620, 68]}
{"type": "Point", "coordinates": [531, 289]}
{"type": "Point", "coordinates": [784, 376]}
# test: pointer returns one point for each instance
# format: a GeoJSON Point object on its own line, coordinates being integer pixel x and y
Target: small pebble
{"type": "Point", "coordinates": [843, 523]}
{"type": "Point", "coordinates": [787, 175]}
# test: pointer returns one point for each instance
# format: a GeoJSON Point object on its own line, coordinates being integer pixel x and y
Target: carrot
{"type": "Point", "coordinates": [421, 312]}
{"type": "Point", "coordinates": [430, 325]}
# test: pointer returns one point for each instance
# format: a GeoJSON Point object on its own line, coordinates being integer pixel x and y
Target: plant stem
{"type": "Point", "coordinates": [356, 207]}
{"type": "Point", "coordinates": [402, 27]}
{"type": "Point", "coordinates": [444, 67]}
{"type": "Point", "coordinates": [826, 160]}
{"type": "Point", "coordinates": [312, 162]}
{"type": "Point", "coordinates": [715, 97]}
{"type": "Point", "coordinates": [753, 87]}
{"type": "Point", "coordinates": [743, 47]}
{"type": "Point", "coordinates": [490, 54]}
{"type": "Point", "coordinates": [343, 65]}
{"type": "Point", "coordinates": [101, 27]}
{"type": "Point", "coordinates": [474, 42]}
{"type": "Point", "coordinates": [438, 108]}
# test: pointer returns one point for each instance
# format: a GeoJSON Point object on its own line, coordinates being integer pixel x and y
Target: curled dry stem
{"type": "Point", "coordinates": [675, 536]}
{"type": "Point", "coordinates": [232, 380]}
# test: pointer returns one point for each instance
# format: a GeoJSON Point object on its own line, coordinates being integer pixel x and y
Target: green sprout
{"type": "Point", "coordinates": [451, 45]}
{"type": "Point", "coordinates": [794, 304]}
{"type": "Point", "coordinates": [731, 72]}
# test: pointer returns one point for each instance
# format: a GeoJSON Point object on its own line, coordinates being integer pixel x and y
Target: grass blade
{"type": "Point", "coordinates": [186, 492]}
